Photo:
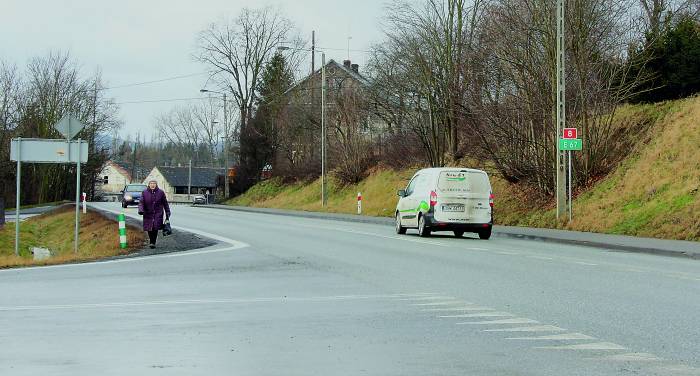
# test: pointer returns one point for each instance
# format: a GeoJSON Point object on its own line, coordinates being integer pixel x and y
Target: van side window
{"type": "Point", "coordinates": [411, 186]}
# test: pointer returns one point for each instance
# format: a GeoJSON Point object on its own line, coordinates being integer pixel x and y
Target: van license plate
{"type": "Point", "coordinates": [453, 207]}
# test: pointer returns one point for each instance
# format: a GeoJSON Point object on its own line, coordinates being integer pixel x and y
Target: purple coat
{"type": "Point", "coordinates": [151, 205]}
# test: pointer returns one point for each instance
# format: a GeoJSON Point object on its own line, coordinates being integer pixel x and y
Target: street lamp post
{"type": "Point", "coordinates": [226, 188]}
{"type": "Point", "coordinates": [324, 195]}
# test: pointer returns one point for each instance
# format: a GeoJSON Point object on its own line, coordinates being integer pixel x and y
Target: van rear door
{"type": "Point", "coordinates": [463, 197]}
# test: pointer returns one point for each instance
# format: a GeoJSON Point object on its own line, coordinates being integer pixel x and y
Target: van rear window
{"type": "Point", "coordinates": [464, 181]}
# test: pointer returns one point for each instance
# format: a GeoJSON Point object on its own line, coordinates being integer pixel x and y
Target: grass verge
{"type": "Point", "coordinates": [54, 230]}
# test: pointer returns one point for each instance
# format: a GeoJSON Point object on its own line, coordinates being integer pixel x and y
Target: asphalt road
{"type": "Point", "coordinates": [298, 296]}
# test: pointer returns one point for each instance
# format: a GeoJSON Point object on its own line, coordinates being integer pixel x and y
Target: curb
{"type": "Point", "coordinates": [499, 231]}
{"type": "Point", "coordinates": [593, 244]}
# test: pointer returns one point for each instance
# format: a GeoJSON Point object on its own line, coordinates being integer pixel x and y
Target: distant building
{"type": "Point", "coordinates": [347, 91]}
{"type": "Point", "coordinates": [175, 180]}
{"type": "Point", "coordinates": [114, 176]}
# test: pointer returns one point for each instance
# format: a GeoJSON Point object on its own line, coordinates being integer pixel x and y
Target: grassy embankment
{"type": "Point", "coordinates": [99, 238]}
{"type": "Point", "coordinates": [653, 192]}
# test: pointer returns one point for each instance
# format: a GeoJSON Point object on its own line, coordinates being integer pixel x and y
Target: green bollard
{"type": "Point", "coordinates": [122, 230]}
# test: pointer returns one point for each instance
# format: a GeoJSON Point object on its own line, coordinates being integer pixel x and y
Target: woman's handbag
{"type": "Point", "coordinates": [167, 230]}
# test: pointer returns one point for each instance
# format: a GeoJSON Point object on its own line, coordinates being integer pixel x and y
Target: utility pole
{"type": "Point", "coordinates": [561, 110]}
{"type": "Point", "coordinates": [313, 50]}
{"type": "Point", "coordinates": [324, 199]}
{"type": "Point", "coordinates": [133, 164]}
{"type": "Point", "coordinates": [189, 180]}
{"type": "Point", "coordinates": [226, 189]}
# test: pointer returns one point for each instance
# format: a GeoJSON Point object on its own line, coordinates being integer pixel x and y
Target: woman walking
{"type": "Point", "coordinates": [153, 202]}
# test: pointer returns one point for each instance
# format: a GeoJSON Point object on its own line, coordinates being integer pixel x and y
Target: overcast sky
{"type": "Point", "coordinates": [143, 40]}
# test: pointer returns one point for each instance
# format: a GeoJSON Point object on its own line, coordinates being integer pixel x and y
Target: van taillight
{"type": "Point", "coordinates": [433, 198]}
{"type": "Point", "coordinates": [491, 196]}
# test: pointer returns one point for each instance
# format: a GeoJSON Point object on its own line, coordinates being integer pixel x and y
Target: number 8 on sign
{"type": "Point", "coordinates": [570, 133]}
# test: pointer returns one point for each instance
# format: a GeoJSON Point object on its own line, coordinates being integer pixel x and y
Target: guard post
{"type": "Point", "coordinates": [122, 230]}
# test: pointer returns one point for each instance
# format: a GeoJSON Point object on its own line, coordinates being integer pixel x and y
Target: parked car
{"type": "Point", "coordinates": [131, 194]}
{"type": "Point", "coordinates": [446, 199]}
{"type": "Point", "coordinates": [199, 199]}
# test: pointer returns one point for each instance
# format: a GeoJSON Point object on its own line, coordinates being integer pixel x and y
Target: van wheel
{"type": "Point", "coordinates": [422, 230]}
{"type": "Point", "coordinates": [458, 234]}
{"type": "Point", "coordinates": [485, 234]}
{"type": "Point", "coordinates": [124, 205]}
{"type": "Point", "coordinates": [399, 229]}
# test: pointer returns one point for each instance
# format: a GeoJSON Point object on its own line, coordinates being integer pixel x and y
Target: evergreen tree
{"type": "Point", "coordinates": [259, 139]}
{"type": "Point", "coordinates": [674, 62]}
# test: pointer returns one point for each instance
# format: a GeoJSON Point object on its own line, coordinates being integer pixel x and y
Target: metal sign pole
{"type": "Point", "coordinates": [19, 179]}
{"type": "Point", "coordinates": [77, 198]}
{"type": "Point", "coordinates": [571, 203]}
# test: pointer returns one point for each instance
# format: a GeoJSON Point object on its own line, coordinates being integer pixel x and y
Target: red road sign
{"type": "Point", "coordinates": [570, 134]}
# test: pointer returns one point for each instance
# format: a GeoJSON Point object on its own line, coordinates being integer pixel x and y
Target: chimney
{"type": "Point", "coordinates": [355, 68]}
{"type": "Point", "coordinates": [346, 63]}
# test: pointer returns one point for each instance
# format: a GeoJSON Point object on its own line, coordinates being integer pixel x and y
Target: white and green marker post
{"type": "Point", "coordinates": [122, 230]}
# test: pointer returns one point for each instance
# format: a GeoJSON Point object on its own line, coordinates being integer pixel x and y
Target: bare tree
{"type": "Point", "coordinates": [235, 51]}
{"type": "Point", "coordinates": [423, 69]}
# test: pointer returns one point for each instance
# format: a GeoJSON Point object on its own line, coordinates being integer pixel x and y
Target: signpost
{"type": "Point", "coordinates": [35, 150]}
{"type": "Point", "coordinates": [569, 142]}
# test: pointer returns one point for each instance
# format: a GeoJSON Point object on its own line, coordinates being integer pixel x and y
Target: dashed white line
{"type": "Point", "coordinates": [540, 257]}
{"type": "Point", "coordinates": [458, 309]}
{"type": "Point", "coordinates": [476, 315]}
{"type": "Point", "coordinates": [426, 298]}
{"type": "Point", "coordinates": [437, 303]}
{"type": "Point", "coordinates": [633, 357]}
{"type": "Point", "coordinates": [556, 337]}
{"type": "Point", "coordinates": [585, 346]}
{"type": "Point", "coordinates": [500, 322]}
{"type": "Point", "coordinates": [536, 328]}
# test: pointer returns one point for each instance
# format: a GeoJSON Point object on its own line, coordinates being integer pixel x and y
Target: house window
{"type": "Point", "coordinates": [180, 190]}
{"type": "Point", "coordinates": [105, 180]}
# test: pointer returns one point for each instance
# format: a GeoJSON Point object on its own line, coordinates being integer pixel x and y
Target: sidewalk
{"type": "Point", "coordinates": [677, 248]}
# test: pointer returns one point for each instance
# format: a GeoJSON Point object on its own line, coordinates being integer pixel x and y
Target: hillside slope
{"type": "Point", "coordinates": [653, 192]}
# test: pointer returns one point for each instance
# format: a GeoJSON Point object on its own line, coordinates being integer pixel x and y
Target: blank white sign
{"type": "Point", "coordinates": [37, 150]}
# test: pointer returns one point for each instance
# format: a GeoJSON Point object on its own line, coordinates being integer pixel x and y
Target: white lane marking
{"type": "Point", "coordinates": [507, 253]}
{"type": "Point", "coordinates": [438, 303]}
{"type": "Point", "coordinates": [585, 346]}
{"type": "Point", "coordinates": [556, 337]}
{"type": "Point", "coordinates": [476, 315]}
{"type": "Point", "coordinates": [422, 298]}
{"type": "Point", "coordinates": [633, 357]}
{"type": "Point", "coordinates": [585, 263]}
{"type": "Point", "coordinates": [458, 309]}
{"type": "Point", "coordinates": [540, 257]}
{"type": "Point", "coordinates": [500, 322]}
{"type": "Point", "coordinates": [193, 301]}
{"type": "Point", "coordinates": [536, 328]}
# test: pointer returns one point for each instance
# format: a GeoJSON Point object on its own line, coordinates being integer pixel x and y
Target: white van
{"type": "Point", "coordinates": [446, 199]}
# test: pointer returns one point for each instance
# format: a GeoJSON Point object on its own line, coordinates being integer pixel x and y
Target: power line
{"type": "Point", "coordinates": [163, 100]}
{"type": "Point", "coordinates": [155, 81]}
{"type": "Point", "coordinates": [342, 49]}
